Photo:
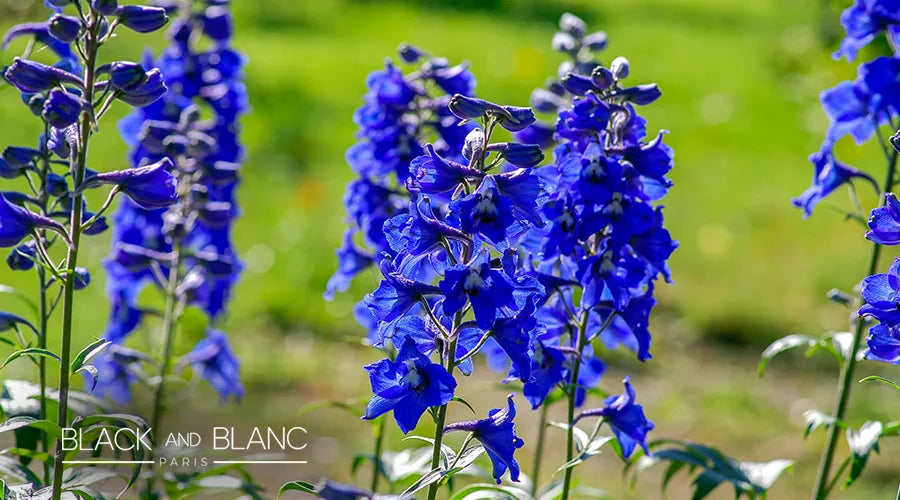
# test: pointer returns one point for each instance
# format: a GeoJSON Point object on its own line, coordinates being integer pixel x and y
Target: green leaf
{"type": "Point", "coordinates": [581, 437]}
{"type": "Point", "coordinates": [47, 426]}
{"type": "Point", "coordinates": [862, 442]}
{"type": "Point", "coordinates": [31, 351]}
{"type": "Point", "coordinates": [705, 483]}
{"type": "Point", "coordinates": [405, 463]}
{"type": "Point", "coordinates": [466, 458]}
{"type": "Point", "coordinates": [432, 476]}
{"type": "Point", "coordinates": [781, 345]}
{"type": "Point", "coordinates": [463, 401]}
{"type": "Point", "coordinates": [296, 486]}
{"type": "Point", "coordinates": [88, 353]}
{"type": "Point", "coordinates": [592, 448]}
{"type": "Point", "coordinates": [447, 453]}
{"type": "Point", "coordinates": [876, 378]}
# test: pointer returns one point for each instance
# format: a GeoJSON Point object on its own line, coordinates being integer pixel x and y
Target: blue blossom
{"type": "Point", "coordinates": [497, 433]}
{"type": "Point", "coordinates": [547, 369]}
{"type": "Point", "coordinates": [396, 294]}
{"type": "Point", "coordinates": [488, 290]}
{"type": "Point", "coordinates": [884, 222]}
{"type": "Point", "coordinates": [884, 343]}
{"type": "Point", "coordinates": [863, 21]}
{"type": "Point", "coordinates": [423, 333]}
{"type": "Point", "coordinates": [17, 222]}
{"type": "Point", "coordinates": [149, 186]}
{"type": "Point", "coordinates": [32, 77]}
{"type": "Point", "coordinates": [625, 418]}
{"type": "Point", "coordinates": [217, 364]}
{"type": "Point", "coordinates": [829, 175]}
{"type": "Point", "coordinates": [881, 293]}
{"type": "Point", "coordinates": [141, 18]}
{"type": "Point", "coordinates": [408, 385]}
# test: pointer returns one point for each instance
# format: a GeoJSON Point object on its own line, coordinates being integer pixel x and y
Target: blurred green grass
{"type": "Point", "coordinates": [740, 82]}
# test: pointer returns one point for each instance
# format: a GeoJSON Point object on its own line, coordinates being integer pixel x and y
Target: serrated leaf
{"type": "Point", "coordinates": [781, 345]}
{"type": "Point", "coordinates": [31, 351]}
{"type": "Point", "coordinates": [296, 486]}
{"type": "Point", "coordinates": [862, 442]}
{"type": "Point", "coordinates": [88, 353]}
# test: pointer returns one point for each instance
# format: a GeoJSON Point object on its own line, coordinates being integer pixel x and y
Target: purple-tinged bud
{"type": "Point", "coordinates": [217, 23]}
{"type": "Point", "coordinates": [467, 108]}
{"type": "Point", "coordinates": [410, 54]}
{"type": "Point", "coordinates": [148, 92]}
{"type": "Point", "coordinates": [127, 76]}
{"type": "Point", "coordinates": [563, 42]}
{"type": "Point", "coordinates": [56, 185]}
{"type": "Point", "coordinates": [895, 141]}
{"type": "Point", "coordinates": [537, 133]}
{"type": "Point", "coordinates": [474, 143]}
{"type": "Point", "coordinates": [61, 108]}
{"type": "Point", "coordinates": [82, 278]}
{"type": "Point", "coordinates": [602, 77]}
{"type": "Point", "coordinates": [556, 87]}
{"type": "Point", "coordinates": [573, 25]}
{"type": "Point", "coordinates": [544, 101]}
{"type": "Point", "coordinates": [595, 41]}
{"type": "Point", "coordinates": [577, 84]}
{"type": "Point", "coordinates": [64, 28]}
{"type": "Point", "coordinates": [20, 157]}
{"type": "Point", "coordinates": [105, 7]}
{"type": "Point", "coordinates": [33, 77]}
{"type": "Point", "coordinates": [22, 257]}
{"type": "Point", "coordinates": [151, 186]}
{"type": "Point", "coordinates": [520, 155]}
{"type": "Point", "coordinates": [565, 68]}
{"type": "Point", "coordinates": [515, 118]}
{"type": "Point", "coordinates": [642, 94]}
{"type": "Point", "coordinates": [24, 29]}
{"type": "Point", "coordinates": [8, 171]}
{"type": "Point", "coordinates": [142, 19]}
{"type": "Point", "coordinates": [619, 68]}
{"type": "Point", "coordinates": [16, 223]}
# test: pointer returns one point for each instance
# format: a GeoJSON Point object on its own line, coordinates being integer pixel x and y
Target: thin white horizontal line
{"type": "Point", "coordinates": [107, 461]}
{"type": "Point", "coordinates": [259, 461]}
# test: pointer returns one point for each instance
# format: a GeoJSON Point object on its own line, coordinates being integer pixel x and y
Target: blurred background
{"type": "Point", "coordinates": [740, 84]}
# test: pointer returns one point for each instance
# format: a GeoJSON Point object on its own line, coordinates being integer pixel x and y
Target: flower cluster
{"type": "Point", "coordinates": [482, 250]}
{"type": "Point", "coordinates": [400, 113]}
{"type": "Point", "coordinates": [859, 109]}
{"type": "Point", "coordinates": [184, 249]}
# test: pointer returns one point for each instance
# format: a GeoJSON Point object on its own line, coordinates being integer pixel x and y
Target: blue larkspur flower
{"type": "Point", "coordinates": [884, 343]}
{"type": "Point", "coordinates": [409, 385]}
{"type": "Point", "coordinates": [487, 289]}
{"type": "Point", "coordinates": [881, 293]}
{"type": "Point", "coordinates": [884, 222]}
{"type": "Point", "coordinates": [829, 175]}
{"type": "Point", "coordinates": [217, 364]}
{"type": "Point", "coordinates": [626, 419]}
{"type": "Point", "coordinates": [863, 21]}
{"type": "Point", "coordinates": [497, 433]}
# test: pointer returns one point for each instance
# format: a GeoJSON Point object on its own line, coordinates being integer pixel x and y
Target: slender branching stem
{"type": "Point", "coordinates": [78, 165]}
{"type": "Point", "coordinates": [821, 489]}
{"type": "Point", "coordinates": [539, 450]}
{"type": "Point", "coordinates": [573, 390]}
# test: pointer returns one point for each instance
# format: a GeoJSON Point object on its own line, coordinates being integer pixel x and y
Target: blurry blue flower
{"type": "Point", "coordinates": [538, 133]}
{"type": "Point", "coordinates": [497, 433]}
{"type": "Point", "coordinates": [408, 385]}
{"type": "Point", "coordinates": [141, 18]}
{"type": "Point", "coordinates": [847, 108]}
{"type": "Point", "coordinates": [105, 7]}
{"type": "Point", "coordinates": [625, 418]}
{"type": "Point", "coordinates": [330, 490]}
{"type": "Point", "coordinates": [150, 186]}
{"type": "Point", "coordinates": [829, 175]}
{"type": "Point", "coordinates": [547, 369]}
{"type": "Point", "coordinates": [351, 262]}
{"type": "Point", "coordinates": [884, 223]}
{"type": "Point", "coordinates": [454, 79]}
{"type": "Point", "coordinates": [488, 290]}
{"type": "Point", "coordinates": [881, 78]}
{"type": "Point", "coordinates": [217, 23]}
{"type": "Point", "coordinates": [22, 257]}
{"type": "Point", "coordinates": [862, 21]}
{"type": "Point", "coordinates": [884, 343]}
{"type": "Point", "coordinates": [115, 373]}
{"type": "Point", "coordinates": [641, 94]}
{"type": "Point", "coordinates": [217, 364]}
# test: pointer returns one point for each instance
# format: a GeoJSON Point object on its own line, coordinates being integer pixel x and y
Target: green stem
{"type": "Point", "coordinates": [79, 162]}
{"type": "Point", "coordinates": [573, 390]}
{"type": "Point", "coordinates": [539, 451]}
{"type": "Point", "coordinates": [820, 491]}
{"type": "Point", "coordinates": [170, 321]}
{"type": "Point", "coordinates": [42, 366]}
{"type": "Point", "coordinates": [442, 417]}
{"type": "Point", "coordinates": [376, 458]}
